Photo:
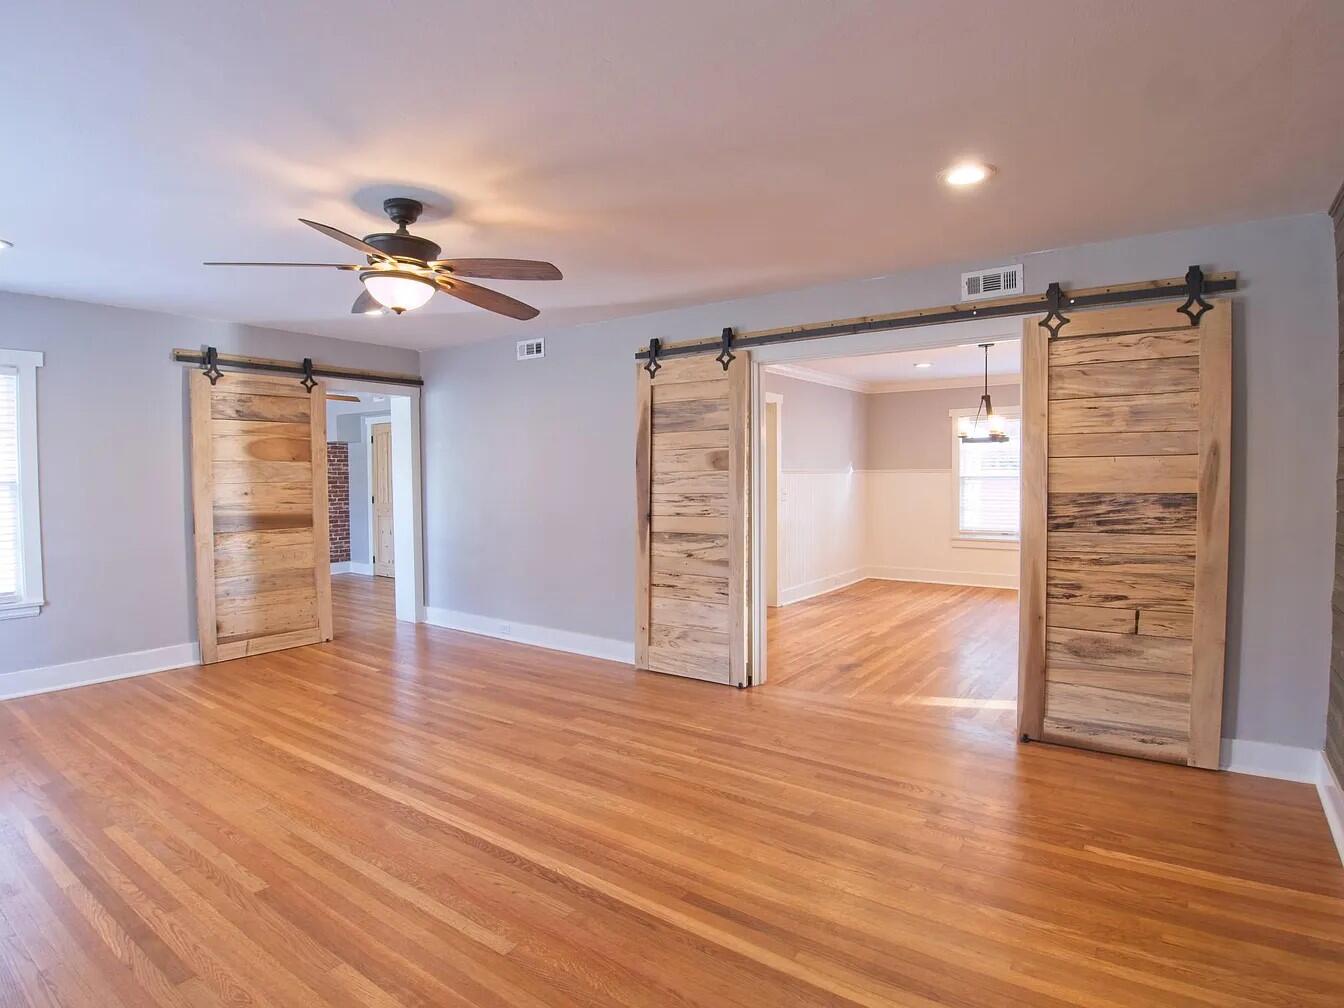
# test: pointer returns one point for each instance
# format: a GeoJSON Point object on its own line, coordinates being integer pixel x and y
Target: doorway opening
{"type": "Point", "coordinates": [374, 513]}
{"type": "Point", "coordinates": [887, 544]}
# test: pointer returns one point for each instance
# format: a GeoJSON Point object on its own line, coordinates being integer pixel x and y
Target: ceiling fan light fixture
{"type": "Point", "coordinates": [397, 290]}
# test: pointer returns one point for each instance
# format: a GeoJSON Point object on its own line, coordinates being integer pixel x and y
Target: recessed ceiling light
{"type": "Point", "coordinates": [924, 364]}
{"type": "Point", "coordinates": [967, 173]}
{"type": "Point", "coordinates": [5, 244]}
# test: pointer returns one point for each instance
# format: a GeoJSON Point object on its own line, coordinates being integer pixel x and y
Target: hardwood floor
{"type": "Point", "coordinates": [361, 603]}
{"type": "Point", "coordinates": [414, 816]}
{"type": "Point", "coordinates": [900, 642]}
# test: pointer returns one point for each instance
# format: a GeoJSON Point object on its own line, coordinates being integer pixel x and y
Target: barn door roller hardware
{"type": "Point", "coordinates": [1054, 303]}
{"type": "Point", "coordinates": [726, 355]}
{"type": "Point", "coordinates": [211, 361]}
{"type": "Point", "coordinates": [1194, 287]}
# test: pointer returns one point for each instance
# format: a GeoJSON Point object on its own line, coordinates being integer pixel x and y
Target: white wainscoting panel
{"type": "Point", "coordinates": [911, 533]}
{"type": "Point", "coordinates": [837, 527]}
{"type": "Point", "coordinates": [821, 531]}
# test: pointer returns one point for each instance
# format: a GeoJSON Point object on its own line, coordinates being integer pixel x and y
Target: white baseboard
{"type": "Point", "coordinates": [1269, 759]}
{"type": "Point", "coordinates": [821, 586]}
{"type": "Point", "coordinates": [49, 678]}
{"type": "Point", "coordinates": [341, 567]}
{"type": "Point", "coordinates": [606, 648]}
{"type": "Point", "coordinates": [970, 579]}
{"type": "Point", "coordinates": [352, 567]}
{"type": "Point", "coordinates": [1332, 801]}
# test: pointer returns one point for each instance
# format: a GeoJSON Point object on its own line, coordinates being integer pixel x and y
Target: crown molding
{"type": "Point", "coordinates": [817, 377]}
{"type": "Point", "coordinates": [877, 388]}
{"type": "Point", "coordinates": [800, 373]}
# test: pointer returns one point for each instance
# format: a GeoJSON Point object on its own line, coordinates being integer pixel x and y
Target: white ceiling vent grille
{"type": "Point", "coordinates": [991, 283]}
{"type": "Point", "coordinates": [528, 349]}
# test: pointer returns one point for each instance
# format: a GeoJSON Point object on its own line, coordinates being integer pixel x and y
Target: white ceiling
{"type": "Point", "coordinates": [369, 402]}
{"type": "Point", "coordinates": [949, 367]}
{"type": "Point", "coordinates": [660, 153]}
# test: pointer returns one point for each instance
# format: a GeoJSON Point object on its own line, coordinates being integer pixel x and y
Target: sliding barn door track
{"type": "Point", "coordinates": [1056, 302]}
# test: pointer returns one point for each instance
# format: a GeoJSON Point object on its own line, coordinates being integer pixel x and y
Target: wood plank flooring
{"type": "Point", "coordinates": [414, 816]}
{"type": "Point", "coordinates": [900, 642]}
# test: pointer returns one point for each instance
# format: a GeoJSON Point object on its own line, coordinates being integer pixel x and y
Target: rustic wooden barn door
{"type": "Point", "coordinates": [259, 487]}
{"type": "Point", "coordinates": [1126, 430]}
{"type": "Point", "coordinates": [693, 503]}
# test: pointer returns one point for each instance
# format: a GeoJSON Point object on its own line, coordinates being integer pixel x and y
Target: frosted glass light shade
{"type": "Point", "coordinates": [398, 291]}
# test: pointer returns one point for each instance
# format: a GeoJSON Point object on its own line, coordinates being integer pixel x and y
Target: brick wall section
{"type": "Point", "coordinates": [338, 499]}
{"type": "Point", "coordinates": [1334, 725]}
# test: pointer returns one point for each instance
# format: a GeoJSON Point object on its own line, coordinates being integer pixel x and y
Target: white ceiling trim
{"type": "Point", "coordinates": [800, 373]}
{"type": "Point", "coordinates": [877, 388]}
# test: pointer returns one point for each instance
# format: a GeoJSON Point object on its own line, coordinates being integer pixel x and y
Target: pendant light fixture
{"type": "Point", "coordinates": [993, 429]}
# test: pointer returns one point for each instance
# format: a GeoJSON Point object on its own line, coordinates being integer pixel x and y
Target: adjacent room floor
{"type": "Point", "coordinates": [415, 816]}
{"type": "Point", "coordinates": [900, 642]}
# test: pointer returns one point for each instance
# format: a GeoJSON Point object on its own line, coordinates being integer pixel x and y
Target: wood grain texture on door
{"type": "Point", "coordinates": [259, 499]}
{"type": "Point", "coordinates": [1125, 488]}
{"type": "Point", "coordinates": [692, 493]}
{"type": "Point", "coordinates": [382, 544]}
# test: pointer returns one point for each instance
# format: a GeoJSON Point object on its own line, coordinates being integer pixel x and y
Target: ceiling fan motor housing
{"type": "Point", "coordinates": [404, 212]}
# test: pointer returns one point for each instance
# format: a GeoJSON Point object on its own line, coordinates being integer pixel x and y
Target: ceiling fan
{"type": "Point", "coordinates": [403, 270]}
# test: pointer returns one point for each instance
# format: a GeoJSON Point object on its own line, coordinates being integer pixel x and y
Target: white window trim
{"type": "Point", "coordinates": [32, 598]}
{"type": "Point", "coordinates": [971, 540]}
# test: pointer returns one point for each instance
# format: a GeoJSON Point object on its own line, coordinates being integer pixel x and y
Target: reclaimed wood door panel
{"type": "Point", "coordinates": [1126, 431]}
{"type": "Point", "coordinates": [259, 500]}
{"type": "Point", "coordinates": [1163, 411]}
{"type": "Point", "coordinates": [384, 539]}
{"type": "Point", "coordinates": [692, 507]}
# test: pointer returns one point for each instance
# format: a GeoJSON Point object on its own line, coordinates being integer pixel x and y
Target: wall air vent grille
{"type": "Point", "coordinates": [530, 349]}
{"type": "Point", "coordinates": [991, 283]}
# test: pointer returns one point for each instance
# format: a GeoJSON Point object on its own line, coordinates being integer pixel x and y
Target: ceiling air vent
{"type": "Point", "coordinates": [531, 348]}
{"type": "Point", "coordinates": [991, 283]}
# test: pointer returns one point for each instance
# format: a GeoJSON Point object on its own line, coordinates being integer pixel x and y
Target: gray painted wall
{"type": "Point", "coordinates": [823, 426]}
{"type": "Point", "coordinates": [529, 465]}
{"type": "Point", "coordinates": [113, 454]}
{"type": "Point", "coordinates": [912, 429]}
{"type": "Point", "coordinates": [349, 428]}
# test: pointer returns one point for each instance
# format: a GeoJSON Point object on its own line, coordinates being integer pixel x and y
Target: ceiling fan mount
{"type": "Point", "coordinates": [402, 271]}
{"type": "Point", "coordinates": [401, 244]}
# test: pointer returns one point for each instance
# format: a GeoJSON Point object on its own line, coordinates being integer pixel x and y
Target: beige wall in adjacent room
{"type": "Point", "coordinates": [911, 429]}
{"type": "Point", "coordinates": [824, 426]}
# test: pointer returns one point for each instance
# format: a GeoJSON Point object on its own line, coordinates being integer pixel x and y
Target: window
{"type": "Point", "coordinates": [20, 537]}
{"type": "Point", "coordinates": [987, 482]}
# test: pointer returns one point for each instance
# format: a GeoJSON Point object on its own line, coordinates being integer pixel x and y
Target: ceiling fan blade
{"type": "Point", "coordinates": [359, 244]}
{"type": "Point", "coordinates": [483, 297]}
{"type": "Point", "coordinates": [343, 266]}
{"type": "Point", "coordinates": [501, 269]}
{"type": "Point", "coordinates": [366, 304]}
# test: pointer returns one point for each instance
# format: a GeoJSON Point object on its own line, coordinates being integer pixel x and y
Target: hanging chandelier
{"type": "Point", "coordinates": [993, 428]}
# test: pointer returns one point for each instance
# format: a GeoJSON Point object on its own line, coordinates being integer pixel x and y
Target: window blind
{"type": "Point", "coordinates": [989, 484]}
{"type": "Point", "coordinates": [10, 560]}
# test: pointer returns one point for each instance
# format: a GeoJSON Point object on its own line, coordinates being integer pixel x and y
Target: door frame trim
{"type": "Point", "coordinates": [407, 479]}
